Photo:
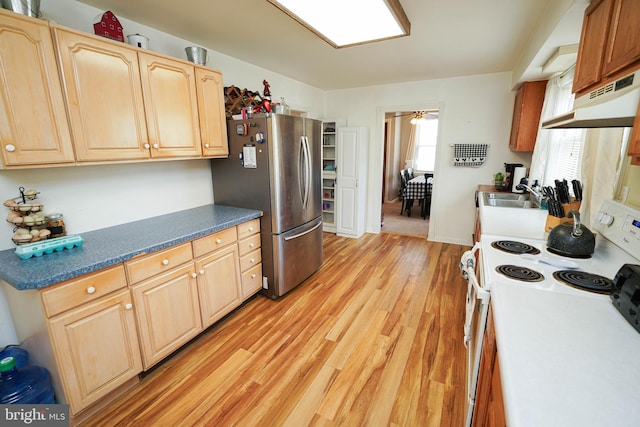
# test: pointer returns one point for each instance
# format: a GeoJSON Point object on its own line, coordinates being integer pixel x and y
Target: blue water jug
{"type": "Point", "coordinates": [19, 354]}
{"type": "Point", "coordinates": [30, 384]}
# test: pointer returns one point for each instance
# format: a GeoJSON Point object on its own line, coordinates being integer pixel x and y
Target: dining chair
{"type": "Point", "coordinates": [428, 191]}
{"type": "Point", "coordinates": [410, 174]}
{"type": "Point", "coordinates": [402, 193]}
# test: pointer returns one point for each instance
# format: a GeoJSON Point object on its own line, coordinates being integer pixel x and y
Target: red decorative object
{"type": "Point", "coordinates": [109, 27]}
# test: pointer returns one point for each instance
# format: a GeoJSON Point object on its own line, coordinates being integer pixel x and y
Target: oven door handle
{"type": "Point", "coordinates": [467, 266]}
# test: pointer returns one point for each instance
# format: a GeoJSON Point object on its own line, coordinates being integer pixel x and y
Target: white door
{"type": "Point", "coordinates": [351, 162]}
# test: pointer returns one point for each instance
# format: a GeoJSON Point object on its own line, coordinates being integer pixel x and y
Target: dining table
{"type": "Point", "coordinates": [417, 190]}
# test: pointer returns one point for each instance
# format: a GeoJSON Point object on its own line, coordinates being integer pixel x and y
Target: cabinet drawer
{"type": "Point", "coordinates": [248, 228]}
{"type": "Point", "coordinates": [158, 262]}
{"type": "Point", "coordinates": [251, 281]}
{"type": "Point", "coordinates": [250, 260]}
{"type": "Point", "coordinates": [214, 241]}
{"type": "Point", "coordinates": [87, 288]}
{"type": "Point", "coordinates": [249, 244]}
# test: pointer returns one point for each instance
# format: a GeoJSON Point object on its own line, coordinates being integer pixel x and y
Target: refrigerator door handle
{"type": "Point", "coordinates": [303, 233]}
{"type": "Point", "coordinates": [306, 171]}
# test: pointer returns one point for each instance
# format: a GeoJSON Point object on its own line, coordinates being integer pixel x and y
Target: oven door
{"type": "Point", "coordinates": [477, 309]}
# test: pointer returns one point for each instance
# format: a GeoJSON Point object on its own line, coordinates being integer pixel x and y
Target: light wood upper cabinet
{"type": "Point", "coordinates": [634, 142]}
{"type": "Point", "coordinates": [33, 122]}
{"type": "Point", "coordinates": [213, 129]}
{"type": "Point", "coordinates": [170, 99]}
{"type": "Point", "coordinates": [104, 97]}
{"type": "Point", "coordinates": [526, 116]}
{"type": "Point", "coordinates": [96, 348]}
{"type": "Point", "coordinates": [609, 43]}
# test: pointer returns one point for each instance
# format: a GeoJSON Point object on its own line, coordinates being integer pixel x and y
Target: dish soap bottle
{"type": "Point", "coordinates": [498, 179]}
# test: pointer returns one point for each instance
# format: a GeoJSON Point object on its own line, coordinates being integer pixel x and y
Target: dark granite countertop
{"type": "Point", "coordinates": [109, 246]}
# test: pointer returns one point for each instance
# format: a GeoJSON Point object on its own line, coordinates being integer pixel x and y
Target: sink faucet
{"type": "Point", "coordinates": [536, 194]}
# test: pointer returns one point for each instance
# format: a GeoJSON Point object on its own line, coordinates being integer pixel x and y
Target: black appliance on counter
{"type": "Point", "coordinates": [626, 296]}
{"type": "Point", "coordinates": [510, 169]}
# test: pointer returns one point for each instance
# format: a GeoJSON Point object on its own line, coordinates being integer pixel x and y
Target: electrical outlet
{"type": "Point", "coordinates": [265, 282]}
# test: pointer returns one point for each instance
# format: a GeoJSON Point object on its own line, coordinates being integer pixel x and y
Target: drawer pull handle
{"type": "Point", "coordinates": [128, 306]}
{"type": "Point", "coordinates": [252, 260]}
{"type": "Point", "coordinates": [218, 241]}
{"type": "Point", "coordinates": [251, 245]}
{"type": "Point", "coordinates": [253, 276]}
{"type": "Point", "coordinates": [250, 228]}
{"type": "Point", "coordinates": [165, 262]}
{"type": "Point", "coordinates": [91, 289]}
{"type": "Point", "coordinates": [201, 272]}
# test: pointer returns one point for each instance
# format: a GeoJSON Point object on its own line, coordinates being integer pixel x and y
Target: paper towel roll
{"type": "Point", "coordinates": [518, 174]}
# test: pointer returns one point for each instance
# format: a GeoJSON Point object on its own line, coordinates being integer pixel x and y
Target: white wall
{"type": "Point", "coordinates": [474, 109]}
{"type": "Point", "coordinates": [93, 197]}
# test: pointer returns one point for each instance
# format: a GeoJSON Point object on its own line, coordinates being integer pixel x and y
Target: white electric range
{"type": "Point", "coordinates": [567, 356]}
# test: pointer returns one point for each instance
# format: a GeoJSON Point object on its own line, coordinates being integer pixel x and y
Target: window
{"type": "Point", "coordinates": [564, 145]}
{"type": "Point", "coordinates": [425, 144]}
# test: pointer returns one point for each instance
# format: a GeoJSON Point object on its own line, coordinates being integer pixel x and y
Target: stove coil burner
{"type": "Point", "coordinates": [513, 247]}
{"type": "Point", "coordinates": [585, 281]}
{"type": "Point", "coordinates": [523, 274]}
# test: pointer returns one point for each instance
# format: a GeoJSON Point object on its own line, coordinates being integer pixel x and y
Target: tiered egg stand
{"type": "Point", "coordinates": [31, 234]}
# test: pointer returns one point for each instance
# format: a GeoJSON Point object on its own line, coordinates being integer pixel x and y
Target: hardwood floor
{"type": "Point", "coordinates": [373, 339]}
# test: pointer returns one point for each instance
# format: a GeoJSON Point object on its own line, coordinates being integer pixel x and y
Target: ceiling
{"type": "Point", "coordinates": [448, 38]}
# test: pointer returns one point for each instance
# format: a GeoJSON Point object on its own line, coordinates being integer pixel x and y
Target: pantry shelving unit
{"type": "Point", "coordinates": [329, 167]}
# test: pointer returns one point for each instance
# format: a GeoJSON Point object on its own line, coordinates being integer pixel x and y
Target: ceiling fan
{"type": "Point", "coordinates": [420, 115]}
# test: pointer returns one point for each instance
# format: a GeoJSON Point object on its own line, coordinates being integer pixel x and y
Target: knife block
{"type": "Point", "coordinates": [553, 221]}
{"type": "Point", "coordinates": [572, 205]}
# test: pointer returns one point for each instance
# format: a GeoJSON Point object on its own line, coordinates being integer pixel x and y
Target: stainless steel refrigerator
{"type": "Point", "coordinates": [275, 165]}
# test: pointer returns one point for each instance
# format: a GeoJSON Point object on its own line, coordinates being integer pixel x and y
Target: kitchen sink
{"type": "Point", "coordinates": [510, 200]}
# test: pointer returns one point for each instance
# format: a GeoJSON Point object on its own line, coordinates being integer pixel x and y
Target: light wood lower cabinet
{"type": "Point", "coordinates": [33, 122]}
{"type": "Point", "coordinates": [249, 245]}
{"type": "Point", "coordinates": [95, 344]}
{"type": "Point", "coordinates": [219, 284]}
{"type": "Point", "coordinates": [167, 313]}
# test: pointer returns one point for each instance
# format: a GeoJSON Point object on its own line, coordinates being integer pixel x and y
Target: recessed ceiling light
{"type": "Point", "coordinates": [344, 23]}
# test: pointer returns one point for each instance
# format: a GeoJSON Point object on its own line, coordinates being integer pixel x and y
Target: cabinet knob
{"type": "Point", "coordinates": [201, 272]}
{"type": "Point", "coordinates": [250, 228]}
{"type": "Point", "coordinates": [128, 306]}
{"type": "Point", "coordinates": [194, 275]}
{"type": "Point", "coordinates": [165, 262]}
{"type": "Point", "coordinates": [218, 241]}
{"type": "Point", "coordinates": [147, 146]}
{"type": "Point", "coordinates": [91, 289]}
{"type": "Point", "coordinates": [206, 145]}
{"type": "Point", "coordinates": [156, 146]}
{"type": "Point", "coordinates": [251, 245]}
{"type": "Point", "coordinates": [252, 260]}
{"type": "Point", "coordinates": [253, 276]}
{"type": "Point", "coordinates": [10, 148]}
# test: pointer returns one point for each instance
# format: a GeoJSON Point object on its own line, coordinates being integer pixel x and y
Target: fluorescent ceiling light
{"type": "Point", "coordinates": [349, 22]}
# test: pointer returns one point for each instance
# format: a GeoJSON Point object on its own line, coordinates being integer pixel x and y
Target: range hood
{"type": "Point", "coordinates": [612, 105]}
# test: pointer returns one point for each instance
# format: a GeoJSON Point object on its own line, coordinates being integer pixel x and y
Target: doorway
{"type": "Point", "coordinates": [407, 131]}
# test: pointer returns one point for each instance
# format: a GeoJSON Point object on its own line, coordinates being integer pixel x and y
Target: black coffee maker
{"type": "Point", "coordinates": [508, 177]}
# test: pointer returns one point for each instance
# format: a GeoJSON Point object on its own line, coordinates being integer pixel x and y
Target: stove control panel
{"type": "Point", "coordinates": [621, 225]}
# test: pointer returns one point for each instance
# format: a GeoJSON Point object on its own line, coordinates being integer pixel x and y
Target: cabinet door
{"type": "Point", "coordinates": [219, 284]}
{"type": "Point", "coordinates": [167, 313]}
{"type": "Point", "coordinates": [351, 197]}
{"type": "Point", "coordinates": [170, 100]}
{"type": "Point", "coordinates": [96, 347]}
{"type": "Point", "coordinates": [213, 122]}
{"type": "Point", "coordinates": [595, 28]}
{"type": "Point", "coordinates": [104, 96]}
{"type": "Point", "coordinates": [526, 116]}
{"type": "Point", "coordinates": [623, 44]}
{"type": "Point", "coordinates": [33, 122]}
